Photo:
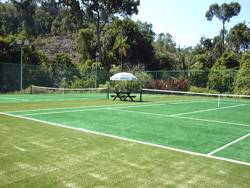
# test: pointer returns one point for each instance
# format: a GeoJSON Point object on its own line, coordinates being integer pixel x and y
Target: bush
{"type": "Point", "coordinates": [219, 77]}
{"type": "Point", "coordinates": [176, 85]}
{"type": "Point", "coordinates": [242, 81]}
{"type": "Point", "coordinates": [202, 90]}
{"type": "Point", "coordinates": [142, 79]}
{"type": "Point", "coordinates": [199, 78]}
{"type": "Point", "coordinates": [63, 70]}
{"type": "Point", "coordinates": [125, 86]}
{"type": "Point", "coordinates": [199, 70]}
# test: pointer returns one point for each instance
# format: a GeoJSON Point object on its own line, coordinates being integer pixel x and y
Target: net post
{"type": "Point", "coordinates": [218, 103]}
{"type": "Point", "coordinates": [141, 95]}
{"type": "Point", "coordinates": [31, 89]}
{"type": "Point", "coordinates": [108, 93]}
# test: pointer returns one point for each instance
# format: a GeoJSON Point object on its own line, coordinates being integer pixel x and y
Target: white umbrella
{"type": "Point", "coordinates": [123, 76]}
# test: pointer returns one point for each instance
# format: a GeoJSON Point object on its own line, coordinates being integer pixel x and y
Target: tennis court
{"type": "Point", "coordinates": [192, 124]}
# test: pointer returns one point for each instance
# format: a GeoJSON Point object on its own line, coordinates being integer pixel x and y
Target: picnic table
{"type": "Point", "coordinates": [123, 95]}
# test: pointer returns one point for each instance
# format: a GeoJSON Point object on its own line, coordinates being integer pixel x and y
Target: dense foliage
{"type": "Point", "coordinates": [242, 82]}
{"type": "Point", "coordinates": [103, 39]}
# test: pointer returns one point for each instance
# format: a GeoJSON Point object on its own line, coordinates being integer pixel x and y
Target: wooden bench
{"type": "Point", "coordinates": [123, 96]}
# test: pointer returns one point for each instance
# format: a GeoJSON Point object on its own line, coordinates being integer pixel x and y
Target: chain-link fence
{"type": "Point", "coordinates": [48, 76]}
{"type": "Point", "coordinates": [73, 77]}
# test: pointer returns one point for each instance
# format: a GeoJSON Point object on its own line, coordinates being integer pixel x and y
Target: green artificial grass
{"type": "Point", "coordinates": [39, 155]}
{"type": "Point", "coordinates": [238, 151]}
{"type": "Point", "coordinates": [35, 154]}
{"type": "Point", "coordinates": [153, 123]}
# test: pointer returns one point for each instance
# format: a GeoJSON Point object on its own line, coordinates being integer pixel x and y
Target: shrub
{"type": "Point", "coordinates": [142, 79]}
{"type": "Point", "coordinates": [242, 81]}
{"type": "Point", "coordinates": [219, 76]}
{"type": "Point", "coordinates": [177, 85]}
{"type": "Point", "coordinates": [202, 90]}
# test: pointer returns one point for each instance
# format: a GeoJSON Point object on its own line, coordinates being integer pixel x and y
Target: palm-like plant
{"type": "Point", "coordinates": [122, 46]}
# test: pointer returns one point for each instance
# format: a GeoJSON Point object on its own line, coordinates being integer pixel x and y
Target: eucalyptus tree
{"type": "Point", "coordinates": [224, 13]}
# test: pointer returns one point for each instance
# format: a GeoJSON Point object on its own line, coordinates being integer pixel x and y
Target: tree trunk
{"type": "Point", "coordinates": [223, 37]}
{"type": "Point", "coordinates": [98, 38]}
{"type": "Point", "coordinates": [98, 33]}
{"type": "Point", "coordinates": [121, 62]}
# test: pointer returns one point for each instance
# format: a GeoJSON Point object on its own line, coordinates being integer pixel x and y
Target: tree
{"type": "Point", "coordinates": [224, 13]}
{"type": "Point", "coordinates": [242, 84]}
{"type": "Point", "coordinates": [63, 70]}
{"type": "Point", "coordinates": [100, 12]}
{"type": "Point", "coordinates": [199, 70]}
{"type": "Point", "coordinates": [86, 43]}
{"type": "Point", "coordinates": [27, 10]}
{"type": "Point", "coordinates": [10, 21]}
{"type": "Point", "coordinates": [220, 76]}
{"type": "Point", "coordinates": [139, 40]}
{"type": "Point", "coordinates": [165, 51]}
{"type": "Point", "coordinates": [43, 22]}
{"type": "Point", "coordinates": [238, 38]}
{"type": "Point", "coordinates": [122, 46]}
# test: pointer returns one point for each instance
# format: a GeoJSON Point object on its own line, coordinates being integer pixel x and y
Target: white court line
{"type": "Point", "coordinates": [229, 144]}
{"type": "Point", "coordinates": [85, 109]}
{"type": "Point", "coordinates": [62, 112]}
{"type": "Point", "coordinates": [90, 108]}
{"type": "Point", "coordinates": [12, 98]}
{"type": "Point", "coordinates": [207, 110]}
{"type": "Point", "coordinates": [212, 121]}
{"type": "Point", "coordinates": [66, 108]}
{"type": "Point", "coordinates": [111, 105]}
{"type": "Point", "coordinates": [131, 140]}
{"type": "Point", "coordinates": [120, 108]}
{"type": "Point", "coordinates": [180, 117]}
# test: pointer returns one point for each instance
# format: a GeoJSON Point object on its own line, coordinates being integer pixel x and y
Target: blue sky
{"type": "Point", "coordinates": [185, 19]}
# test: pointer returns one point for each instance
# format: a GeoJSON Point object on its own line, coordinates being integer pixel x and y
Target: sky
{"type": "Point", "coordinates": [185, 19]}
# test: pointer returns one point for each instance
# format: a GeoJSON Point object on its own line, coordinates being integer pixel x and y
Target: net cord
{"type": "Point", "coordinates": [196, 93]}
{"type": "Point", "coordinates": [67, 89]}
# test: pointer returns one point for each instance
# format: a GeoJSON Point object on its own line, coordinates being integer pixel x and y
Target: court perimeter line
{"type": "Point", "coordinates": [181, 117]}
{"type": "Point", "coordinates": [17, 99]}
{"type": "Point", "coordinates": [84, 109]}
{"type": "Point", "coordinates": [131, 140]}
{"type": "Point", "coordinates": [93, 108]}
{"type": "Point", "coordinates": [87, 108]}
{"type": "Point", "coordinates": [229, 144]}
{"type": "Point", "coordinates": [110, 105]}
{"type": "Point", "coordinates": [66, 108]}
{"type": "Point", "coordinates": [207, 110]}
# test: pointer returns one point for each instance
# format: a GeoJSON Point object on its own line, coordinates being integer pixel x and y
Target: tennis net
{"type": "Point", "coordinates": [155, 95]}
{"type": "Point", "coordinates": [71, 93]}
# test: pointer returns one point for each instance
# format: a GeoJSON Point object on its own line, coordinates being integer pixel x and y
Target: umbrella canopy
{"type": "Point", "coordinates": [123, 76]}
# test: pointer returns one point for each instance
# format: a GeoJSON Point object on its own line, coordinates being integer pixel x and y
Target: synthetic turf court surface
{"type": "Point", "coordinates": [191, 124]}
